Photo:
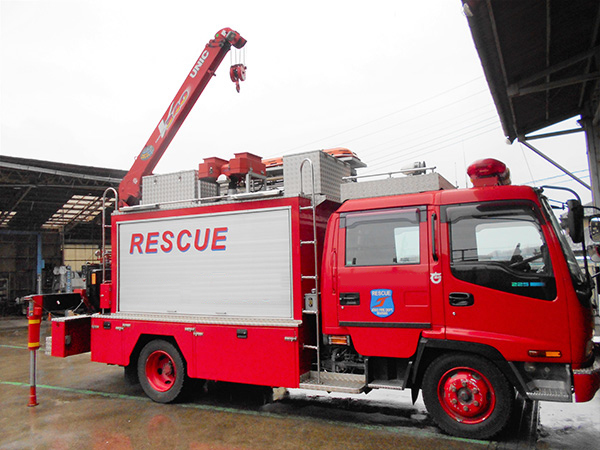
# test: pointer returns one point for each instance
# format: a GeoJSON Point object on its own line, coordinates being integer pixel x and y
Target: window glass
{"type": "Point", "coordinates": [574, 268]}
{"type": "Point", "coordinates": [382, 237]}
{"type": "Point", "coordinates": [502, 247]}
{"type": "Point", "coordinates": [580, 281]}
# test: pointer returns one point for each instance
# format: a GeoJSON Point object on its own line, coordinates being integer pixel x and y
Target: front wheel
{"type": "Point", "coordinates": [467, 396]}
{"type": "Point", "coordinates": [161, 371]}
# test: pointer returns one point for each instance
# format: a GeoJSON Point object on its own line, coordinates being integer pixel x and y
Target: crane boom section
{"type": "Point", "coordinates": [195, 82]}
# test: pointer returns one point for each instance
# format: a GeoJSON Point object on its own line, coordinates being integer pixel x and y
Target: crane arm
{"type": "Point", "coordinates": [201, 73]}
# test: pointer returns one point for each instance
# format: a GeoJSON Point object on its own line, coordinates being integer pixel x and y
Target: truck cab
{"type": "Point", "coordinates": [460, 293]}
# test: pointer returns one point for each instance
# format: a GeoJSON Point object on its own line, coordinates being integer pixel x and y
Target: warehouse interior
{"type": "Point", "coordinates": [50, 225]}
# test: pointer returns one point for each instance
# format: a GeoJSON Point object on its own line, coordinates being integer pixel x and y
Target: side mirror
{"type": "Point", "coordinates": [594, 253]}
{"type": "Point", "coordinates": [595, 229]}
{"type": "Point", "coordinates": [575, 221]}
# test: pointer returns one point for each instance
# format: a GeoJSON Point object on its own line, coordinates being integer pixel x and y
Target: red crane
{"type": "Point", "coordinates": [201, 73]}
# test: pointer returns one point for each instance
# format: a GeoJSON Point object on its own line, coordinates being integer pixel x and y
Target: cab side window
{"type": "Point", "coordinates": [500, 245]}
{"type": "Point", "coordinates": [377, 238]}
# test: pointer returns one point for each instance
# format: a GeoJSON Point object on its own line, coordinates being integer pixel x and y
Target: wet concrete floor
{"type": "Point", "coordinates": [89, 405]}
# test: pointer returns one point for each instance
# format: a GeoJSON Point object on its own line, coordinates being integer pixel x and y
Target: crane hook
{"type": "Point", "coordinates": [237, 72]}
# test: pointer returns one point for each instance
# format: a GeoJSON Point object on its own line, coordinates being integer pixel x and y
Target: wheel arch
{"type": "Point", "coordinates": [430, 349]}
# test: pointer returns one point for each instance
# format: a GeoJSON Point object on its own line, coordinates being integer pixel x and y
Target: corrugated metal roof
{"type": "Point", "coordinates": [43, 195]}
{"type": "Point", "coordinates": [540, 59]}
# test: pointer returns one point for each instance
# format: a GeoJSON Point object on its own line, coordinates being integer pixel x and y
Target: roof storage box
{"type": "Point", "coordinates": [394, 186]}
{"type": "Point", "coordinates": [329, 172]}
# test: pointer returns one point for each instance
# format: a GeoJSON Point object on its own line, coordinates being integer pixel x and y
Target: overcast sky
{"type": "Point", "coordinates": [87, 81]}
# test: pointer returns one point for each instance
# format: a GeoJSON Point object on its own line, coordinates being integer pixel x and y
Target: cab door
{"type": "Point", "coordinates": [383, 279]}
{"type": "Point", "coordinates": [499, 283]}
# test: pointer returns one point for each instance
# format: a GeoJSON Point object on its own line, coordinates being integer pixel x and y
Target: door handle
{"type": "Point", "coordinates": [349, 298]}
{"type": "Point", "coordinates": [461, 299]}
{"type": "Point", "coordinates": [434, 252]}
{"type": "Point", "coordinates": [334, 272]}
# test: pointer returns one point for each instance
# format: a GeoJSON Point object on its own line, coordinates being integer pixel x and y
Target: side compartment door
{"type": "Point", "coordinates": [261, 355]}
{"type": "Point", "coordinates": [107, 341]}
{"type": "Point", "coordinates": [383, 280]}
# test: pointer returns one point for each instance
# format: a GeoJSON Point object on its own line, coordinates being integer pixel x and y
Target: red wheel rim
{"type": "Point", "coordinates": [160, 371]}
{"type": "Point", "coordinates": [466, 395]}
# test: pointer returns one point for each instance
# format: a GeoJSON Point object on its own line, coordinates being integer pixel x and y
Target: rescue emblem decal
{"type": "Point", "coordinates": [382, 304]}
{"type": "Point", "coordinates": [436, 277]}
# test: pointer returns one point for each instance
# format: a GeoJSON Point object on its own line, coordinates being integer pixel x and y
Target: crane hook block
{"type": "Point", "coordinates": [237, 72]}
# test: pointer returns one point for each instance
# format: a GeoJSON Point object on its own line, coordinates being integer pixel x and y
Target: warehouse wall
{"type": "Point", "coordinates": [18, 263]}
{"type": "Point", "coordinates": [76, 255]}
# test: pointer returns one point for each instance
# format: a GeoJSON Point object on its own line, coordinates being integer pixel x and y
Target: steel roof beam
{"type": "Point", "coordinates": [62, 173]}
{"type": "Point", "coordinates": [519, 87]}
{"type": "Point", "coordinates": [523, 140]}
{"type": "Point", "coordinates": [8, 211]}
{"type": "Point", "coordinates": [515, 91]}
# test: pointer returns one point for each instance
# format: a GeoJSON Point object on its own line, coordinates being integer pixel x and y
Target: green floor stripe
{"type": "Point", "coordinates": [398, 430]}
{"type": "Point", "coordinates": [78, 391]}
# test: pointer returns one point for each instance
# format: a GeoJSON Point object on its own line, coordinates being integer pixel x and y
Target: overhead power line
{"type": "Point", "coordinates": [563, 175]}
{"type": "Point", "coordinates": [418, 132]}
{"type": "Point", "coordinates": [411, 119]}
{"type": "Point", "coordinates": [394, 113]}
{"type": "Point", "coordinates": [462, 138]}
{"type": "Point", "coordinates": [486, 121]}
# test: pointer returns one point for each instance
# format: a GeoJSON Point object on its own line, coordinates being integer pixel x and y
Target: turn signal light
{"type": "Point", "coordinates": [544, 353]}
{"type": "Point", "coordinates": [339, 340]}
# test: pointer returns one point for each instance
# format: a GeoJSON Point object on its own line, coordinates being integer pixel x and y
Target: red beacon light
{"type": "Point", "coordinates": [489, 172]}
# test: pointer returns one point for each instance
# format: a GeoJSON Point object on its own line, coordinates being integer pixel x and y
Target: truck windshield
{"type": "Point", "coordinates": [576, 273]}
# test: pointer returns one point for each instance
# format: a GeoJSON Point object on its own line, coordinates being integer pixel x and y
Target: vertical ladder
{"type": "Point", "coordinates": [315, 277]}
{"type": "Point", "coordinates": [105, 226]}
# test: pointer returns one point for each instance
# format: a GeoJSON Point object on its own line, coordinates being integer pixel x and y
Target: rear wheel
{"type": "Point", "coordinates": [467, 396]}
{"type": "Point", "coordinates": [161, 371]}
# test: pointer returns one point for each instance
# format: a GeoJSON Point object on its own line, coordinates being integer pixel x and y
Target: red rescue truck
{"type": "Point", "coordinates": [469, 295]}
{"type": "Point", "coordinates": [313, 280]}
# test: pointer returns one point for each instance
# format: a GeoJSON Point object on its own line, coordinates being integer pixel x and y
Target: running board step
{"type": "Point", "coordinates": [333, 382]}
{"type": "Point", "coordinates": [387, 384]}
{"type": "Point", "coordinates": [549, 390]}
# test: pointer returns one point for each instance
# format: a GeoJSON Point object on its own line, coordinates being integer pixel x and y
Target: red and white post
{"type": "Point", "coordinates": [34, 314]}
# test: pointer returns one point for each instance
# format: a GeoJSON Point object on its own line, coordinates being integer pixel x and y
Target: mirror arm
{"type": "Point", "coordinates": [562, 188]}
{"type": "Point", "coordinates": [583, 248]}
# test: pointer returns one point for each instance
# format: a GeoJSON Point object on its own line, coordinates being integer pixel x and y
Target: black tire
{"type": "Point", "coordinates": [161, 371]}
{"type": "Point", "coordinates": [467, 396]}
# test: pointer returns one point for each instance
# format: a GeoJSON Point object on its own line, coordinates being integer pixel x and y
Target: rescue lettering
{"type": "Point", "coordinates": [182, 241]}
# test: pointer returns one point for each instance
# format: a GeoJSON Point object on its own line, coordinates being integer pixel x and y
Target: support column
{"type": "Point", "coordinates": [40, 263]}
{"type": "Point", "coordinates": [592, 137]}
